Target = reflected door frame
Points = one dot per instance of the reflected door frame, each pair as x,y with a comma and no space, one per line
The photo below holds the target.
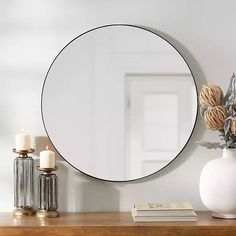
121,69
155,154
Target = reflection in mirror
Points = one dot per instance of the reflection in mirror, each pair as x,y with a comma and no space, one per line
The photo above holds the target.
119,103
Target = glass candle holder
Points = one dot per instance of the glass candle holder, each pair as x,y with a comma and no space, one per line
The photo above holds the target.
47,193
24,183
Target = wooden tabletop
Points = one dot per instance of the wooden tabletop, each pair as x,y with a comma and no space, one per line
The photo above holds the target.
111,224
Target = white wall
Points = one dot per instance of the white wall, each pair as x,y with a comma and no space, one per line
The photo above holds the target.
33,32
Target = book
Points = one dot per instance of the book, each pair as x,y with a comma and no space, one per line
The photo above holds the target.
163,218
164,213
172,211
164,206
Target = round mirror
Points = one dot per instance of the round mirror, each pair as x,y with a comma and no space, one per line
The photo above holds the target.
119,102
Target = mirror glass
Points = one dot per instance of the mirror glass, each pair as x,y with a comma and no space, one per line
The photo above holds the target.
119,102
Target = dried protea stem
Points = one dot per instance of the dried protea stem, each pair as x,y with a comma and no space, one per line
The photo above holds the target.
233,126
234,104
210,95
214,117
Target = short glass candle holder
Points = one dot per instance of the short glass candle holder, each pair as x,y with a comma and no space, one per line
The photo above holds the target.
23,183
47,193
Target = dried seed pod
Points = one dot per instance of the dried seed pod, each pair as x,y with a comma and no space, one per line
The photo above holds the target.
214,117
210,95
233,126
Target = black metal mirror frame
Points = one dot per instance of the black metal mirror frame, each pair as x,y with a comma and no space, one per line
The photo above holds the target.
135,26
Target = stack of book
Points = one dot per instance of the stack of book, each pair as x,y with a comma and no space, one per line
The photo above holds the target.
173,211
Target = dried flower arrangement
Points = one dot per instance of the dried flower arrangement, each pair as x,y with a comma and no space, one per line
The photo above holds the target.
218,113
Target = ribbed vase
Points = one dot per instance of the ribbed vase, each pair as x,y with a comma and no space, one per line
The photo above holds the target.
47,192
24,182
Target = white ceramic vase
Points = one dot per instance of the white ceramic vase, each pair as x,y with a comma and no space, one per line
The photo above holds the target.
218,185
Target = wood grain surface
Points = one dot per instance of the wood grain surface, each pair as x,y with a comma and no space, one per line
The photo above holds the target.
103,224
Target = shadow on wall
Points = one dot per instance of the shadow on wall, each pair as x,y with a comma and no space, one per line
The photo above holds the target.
63,179
195,68
95,196
40,143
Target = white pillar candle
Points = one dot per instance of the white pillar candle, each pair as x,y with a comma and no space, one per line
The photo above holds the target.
47,159
22,141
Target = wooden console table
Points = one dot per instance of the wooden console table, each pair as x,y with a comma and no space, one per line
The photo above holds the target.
101,224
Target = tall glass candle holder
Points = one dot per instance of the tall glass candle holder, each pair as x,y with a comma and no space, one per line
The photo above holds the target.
47,193
23,183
